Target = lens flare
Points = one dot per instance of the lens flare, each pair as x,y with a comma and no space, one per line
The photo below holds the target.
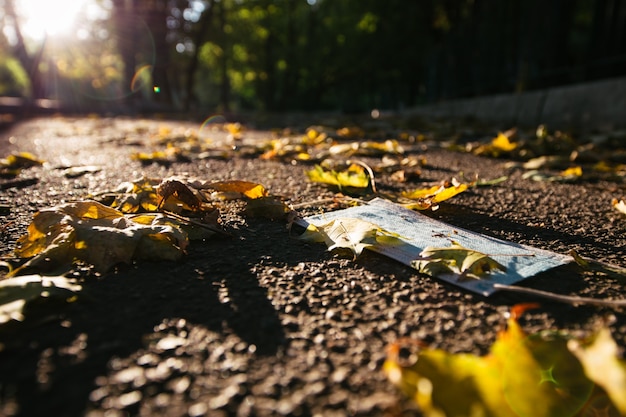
141,79
216,119
106,68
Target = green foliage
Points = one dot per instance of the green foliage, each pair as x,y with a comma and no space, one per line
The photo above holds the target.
14,81
352,55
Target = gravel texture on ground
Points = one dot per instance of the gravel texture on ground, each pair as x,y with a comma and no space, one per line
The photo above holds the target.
259,323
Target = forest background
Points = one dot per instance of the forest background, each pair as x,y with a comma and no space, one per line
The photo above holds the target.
222,56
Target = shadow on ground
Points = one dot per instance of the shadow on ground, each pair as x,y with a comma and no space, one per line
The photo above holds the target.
54,369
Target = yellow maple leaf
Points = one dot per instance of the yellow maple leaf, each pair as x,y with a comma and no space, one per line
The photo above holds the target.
248,189
430,197
503,143
523,375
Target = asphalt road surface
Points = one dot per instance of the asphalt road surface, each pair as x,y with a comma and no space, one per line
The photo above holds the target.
258,323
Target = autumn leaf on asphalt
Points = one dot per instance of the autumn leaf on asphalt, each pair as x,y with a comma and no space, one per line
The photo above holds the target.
99,235
349,233
17,293
12,165
501,144
352,132
354,177
20,160
283,148
367,148
167,156
619,205
616,272
239,189
78,171
234,129
547,162
523,375
314,136
426,198
567,175
601,361
489,183
137,196
390,146
466,263
148,195
172,189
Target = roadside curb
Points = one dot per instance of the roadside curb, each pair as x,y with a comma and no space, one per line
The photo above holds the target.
599,105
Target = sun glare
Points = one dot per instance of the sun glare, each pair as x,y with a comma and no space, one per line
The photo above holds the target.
48,18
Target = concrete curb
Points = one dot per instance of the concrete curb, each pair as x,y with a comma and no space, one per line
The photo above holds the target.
599,105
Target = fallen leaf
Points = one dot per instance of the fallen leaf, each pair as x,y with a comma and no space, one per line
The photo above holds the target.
571,173
503,143
466,263
75,172
354,177
137,196
11,166
172,188
602,363
616,272
619,205
20,160
431,197
488,183
499,145
523,375
567,175
352,132
247,189
348,233
167,156
547,162
97,234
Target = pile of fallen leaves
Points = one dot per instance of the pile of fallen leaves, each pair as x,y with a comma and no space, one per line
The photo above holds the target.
147,219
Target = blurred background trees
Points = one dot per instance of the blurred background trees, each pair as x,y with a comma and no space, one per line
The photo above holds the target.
277,55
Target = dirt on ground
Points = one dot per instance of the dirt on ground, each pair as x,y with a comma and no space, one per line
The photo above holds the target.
259,323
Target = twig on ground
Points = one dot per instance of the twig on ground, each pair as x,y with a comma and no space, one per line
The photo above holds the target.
569,299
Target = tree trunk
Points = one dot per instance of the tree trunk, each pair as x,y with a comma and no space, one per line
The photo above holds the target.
125,18
225,82
29,63
203,27
156,18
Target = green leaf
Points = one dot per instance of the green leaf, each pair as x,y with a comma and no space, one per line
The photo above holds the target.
616,272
